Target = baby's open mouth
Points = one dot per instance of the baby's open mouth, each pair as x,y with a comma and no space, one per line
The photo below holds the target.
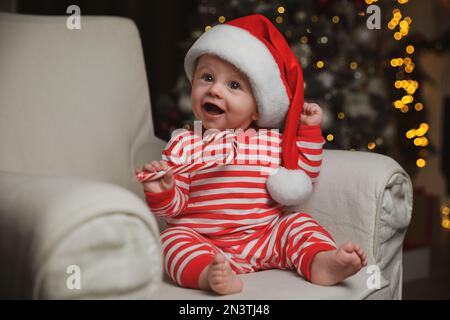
212,109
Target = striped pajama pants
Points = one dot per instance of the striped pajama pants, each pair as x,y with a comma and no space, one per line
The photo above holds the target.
291,244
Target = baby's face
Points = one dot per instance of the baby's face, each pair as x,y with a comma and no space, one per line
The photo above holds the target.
222,97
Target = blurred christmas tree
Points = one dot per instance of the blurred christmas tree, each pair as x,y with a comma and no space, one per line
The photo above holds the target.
348,71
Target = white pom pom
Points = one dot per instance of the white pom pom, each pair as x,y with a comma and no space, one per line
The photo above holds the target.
289,187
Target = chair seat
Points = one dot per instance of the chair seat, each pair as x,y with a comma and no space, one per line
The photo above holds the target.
282,285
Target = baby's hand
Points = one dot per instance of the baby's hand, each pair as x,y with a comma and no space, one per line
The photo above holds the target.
166,182
312,114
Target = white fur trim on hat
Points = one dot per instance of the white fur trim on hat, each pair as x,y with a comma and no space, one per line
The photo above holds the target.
251,56
289,187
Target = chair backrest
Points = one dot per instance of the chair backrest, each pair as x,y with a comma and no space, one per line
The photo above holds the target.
72,102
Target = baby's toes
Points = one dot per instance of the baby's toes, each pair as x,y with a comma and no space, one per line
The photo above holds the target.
218,279
359,250
362,255
218,269
349,247
364,260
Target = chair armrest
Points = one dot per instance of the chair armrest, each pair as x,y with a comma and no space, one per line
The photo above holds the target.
50,223
367,198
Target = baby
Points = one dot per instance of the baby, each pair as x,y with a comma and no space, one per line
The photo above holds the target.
223,221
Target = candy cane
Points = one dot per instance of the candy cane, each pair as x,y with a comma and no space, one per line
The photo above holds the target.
191,167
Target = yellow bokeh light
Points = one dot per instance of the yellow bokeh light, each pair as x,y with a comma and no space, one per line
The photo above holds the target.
398,104
330,137
222,19
405,84
445,210
418,106
335,19
424,126
417,142
391,25
404,24
304,39
353,65
410,49
410,68
320,64
371,145
445,223
421,163
279,20
280,10
419,132
398,84
424,142
411,134
422,130
410,90
407,99
207,28
397,15
341,115
398,36
404,109
394,63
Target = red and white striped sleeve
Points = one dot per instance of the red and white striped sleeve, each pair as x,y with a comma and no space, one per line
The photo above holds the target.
310,146
172,202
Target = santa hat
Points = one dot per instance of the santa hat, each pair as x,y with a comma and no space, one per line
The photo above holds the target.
256,47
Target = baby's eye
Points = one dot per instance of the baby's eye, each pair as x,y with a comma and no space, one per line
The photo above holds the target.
235,85
207,77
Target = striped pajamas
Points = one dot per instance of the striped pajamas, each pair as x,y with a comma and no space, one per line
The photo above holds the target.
228,209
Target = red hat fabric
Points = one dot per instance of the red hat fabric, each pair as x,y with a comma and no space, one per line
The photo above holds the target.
256,47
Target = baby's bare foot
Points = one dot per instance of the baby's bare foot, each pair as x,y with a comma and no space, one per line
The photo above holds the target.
331,267
221,278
